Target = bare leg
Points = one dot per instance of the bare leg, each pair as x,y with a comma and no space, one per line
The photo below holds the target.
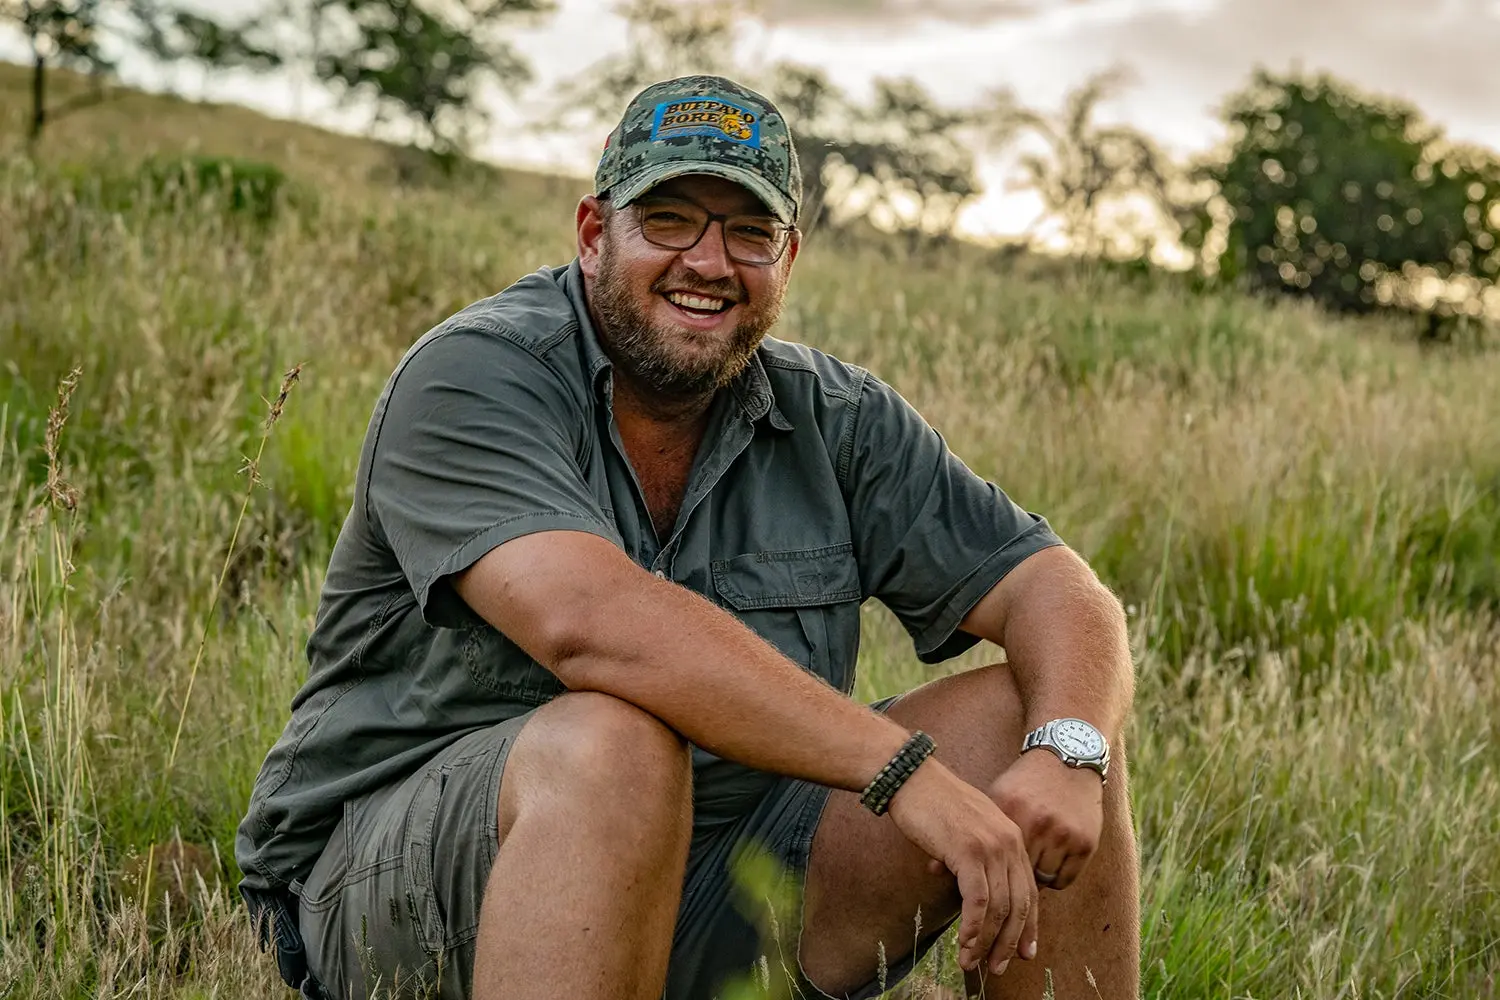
865,881
595,817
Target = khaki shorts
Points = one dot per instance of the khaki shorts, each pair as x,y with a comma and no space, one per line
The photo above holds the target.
393,902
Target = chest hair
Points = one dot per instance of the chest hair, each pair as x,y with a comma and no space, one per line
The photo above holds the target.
663,475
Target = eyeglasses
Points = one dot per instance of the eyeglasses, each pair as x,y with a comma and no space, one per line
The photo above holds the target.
675,224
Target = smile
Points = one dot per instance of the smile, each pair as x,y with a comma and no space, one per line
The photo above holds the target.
702,304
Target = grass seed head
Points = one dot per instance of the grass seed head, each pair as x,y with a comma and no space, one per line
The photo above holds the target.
61,492
287,381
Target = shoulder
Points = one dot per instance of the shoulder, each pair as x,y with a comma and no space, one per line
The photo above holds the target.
530,327
534,314
801,372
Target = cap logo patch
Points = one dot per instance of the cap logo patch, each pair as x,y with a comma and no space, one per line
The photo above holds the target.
711,116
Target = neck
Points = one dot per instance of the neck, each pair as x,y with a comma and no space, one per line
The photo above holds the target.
637,405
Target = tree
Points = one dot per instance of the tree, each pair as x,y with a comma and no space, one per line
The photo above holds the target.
1354,201
1084,166
86,35
665,39
900,159
171,34
63,33
425,62
905,159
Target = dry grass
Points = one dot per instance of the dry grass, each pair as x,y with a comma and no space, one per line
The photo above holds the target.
1303,515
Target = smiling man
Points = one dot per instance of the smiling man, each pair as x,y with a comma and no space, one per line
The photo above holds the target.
590,629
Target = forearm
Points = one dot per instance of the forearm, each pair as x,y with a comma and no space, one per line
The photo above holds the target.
1065,638
601,623
698,669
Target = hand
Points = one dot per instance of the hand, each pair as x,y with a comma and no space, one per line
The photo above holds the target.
1059,810
966,832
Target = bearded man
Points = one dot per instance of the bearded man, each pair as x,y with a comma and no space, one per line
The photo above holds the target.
590,629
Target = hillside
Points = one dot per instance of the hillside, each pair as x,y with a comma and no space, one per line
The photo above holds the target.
1301,514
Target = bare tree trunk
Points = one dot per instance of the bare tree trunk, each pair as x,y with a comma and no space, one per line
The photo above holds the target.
38,95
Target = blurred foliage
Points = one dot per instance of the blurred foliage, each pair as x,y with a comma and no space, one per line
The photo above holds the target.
1354,201
240,187
902,160
1084,168
423,62
60,33
234,188
82,35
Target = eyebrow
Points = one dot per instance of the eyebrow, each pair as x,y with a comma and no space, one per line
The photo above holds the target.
758,208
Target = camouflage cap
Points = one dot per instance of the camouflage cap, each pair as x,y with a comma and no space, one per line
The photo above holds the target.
702,125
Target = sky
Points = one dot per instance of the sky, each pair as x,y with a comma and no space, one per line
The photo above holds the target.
1184,56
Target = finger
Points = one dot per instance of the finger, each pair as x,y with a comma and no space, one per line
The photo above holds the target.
998,907
936,867
974,888
1070,871
1049,862
1020,894
1030,932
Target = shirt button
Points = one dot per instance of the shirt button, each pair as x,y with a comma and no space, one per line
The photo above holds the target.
661,575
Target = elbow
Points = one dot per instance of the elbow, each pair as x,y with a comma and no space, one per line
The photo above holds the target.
1106,621
566,641
585,633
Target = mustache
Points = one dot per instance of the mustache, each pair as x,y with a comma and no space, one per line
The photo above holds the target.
729,289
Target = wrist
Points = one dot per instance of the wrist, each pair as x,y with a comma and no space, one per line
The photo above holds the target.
1074,742
882,789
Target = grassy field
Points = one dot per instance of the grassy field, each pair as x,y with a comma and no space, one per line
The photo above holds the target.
1302,515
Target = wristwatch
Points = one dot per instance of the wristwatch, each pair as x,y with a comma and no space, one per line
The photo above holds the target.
1076,743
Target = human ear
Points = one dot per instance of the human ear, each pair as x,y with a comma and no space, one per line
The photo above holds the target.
793,245
590,225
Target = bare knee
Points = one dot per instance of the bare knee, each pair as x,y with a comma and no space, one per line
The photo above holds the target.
975,716
594,756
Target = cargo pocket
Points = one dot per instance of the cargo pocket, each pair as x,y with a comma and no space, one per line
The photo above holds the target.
331,870
451,837
500,669
805,602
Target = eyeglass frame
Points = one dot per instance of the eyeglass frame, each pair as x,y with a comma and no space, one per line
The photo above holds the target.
789,229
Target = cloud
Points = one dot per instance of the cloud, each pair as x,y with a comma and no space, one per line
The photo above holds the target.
790,12
1438,55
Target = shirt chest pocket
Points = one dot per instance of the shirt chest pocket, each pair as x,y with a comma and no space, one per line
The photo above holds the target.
805,602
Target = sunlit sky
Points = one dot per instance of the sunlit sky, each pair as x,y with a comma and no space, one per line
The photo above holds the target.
1185,55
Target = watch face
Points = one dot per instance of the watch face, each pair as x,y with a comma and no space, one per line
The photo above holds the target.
1078,739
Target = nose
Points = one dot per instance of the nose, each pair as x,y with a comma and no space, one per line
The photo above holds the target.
708,257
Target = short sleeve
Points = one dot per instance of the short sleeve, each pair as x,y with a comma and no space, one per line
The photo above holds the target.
478,444
931,537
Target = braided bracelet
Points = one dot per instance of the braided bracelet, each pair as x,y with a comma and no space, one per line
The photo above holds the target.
879,792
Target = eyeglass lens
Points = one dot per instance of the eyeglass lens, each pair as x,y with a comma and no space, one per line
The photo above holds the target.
749,239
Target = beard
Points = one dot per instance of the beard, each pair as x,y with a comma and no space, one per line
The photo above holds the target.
651,352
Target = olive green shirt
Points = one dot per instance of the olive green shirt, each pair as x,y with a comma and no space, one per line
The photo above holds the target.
816,487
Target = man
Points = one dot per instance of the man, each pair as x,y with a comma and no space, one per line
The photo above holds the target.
590,627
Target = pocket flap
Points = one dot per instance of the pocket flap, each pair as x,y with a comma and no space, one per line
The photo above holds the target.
788,578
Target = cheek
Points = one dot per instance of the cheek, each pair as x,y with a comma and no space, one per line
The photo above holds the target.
640,272
766,286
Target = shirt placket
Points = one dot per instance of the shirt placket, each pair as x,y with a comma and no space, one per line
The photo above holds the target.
729,437
725,448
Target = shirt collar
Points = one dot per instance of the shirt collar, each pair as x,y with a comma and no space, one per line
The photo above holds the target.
751,388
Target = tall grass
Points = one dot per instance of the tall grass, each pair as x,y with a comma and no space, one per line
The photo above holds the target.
1300,513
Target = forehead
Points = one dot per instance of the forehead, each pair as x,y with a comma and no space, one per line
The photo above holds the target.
714,193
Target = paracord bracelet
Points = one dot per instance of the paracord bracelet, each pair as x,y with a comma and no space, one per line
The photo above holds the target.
879,792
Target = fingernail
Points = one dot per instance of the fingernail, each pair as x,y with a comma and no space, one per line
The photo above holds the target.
999,967
1030,949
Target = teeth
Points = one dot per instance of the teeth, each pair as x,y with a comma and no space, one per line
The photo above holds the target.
695,302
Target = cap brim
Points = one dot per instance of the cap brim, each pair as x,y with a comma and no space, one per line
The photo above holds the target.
780,205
